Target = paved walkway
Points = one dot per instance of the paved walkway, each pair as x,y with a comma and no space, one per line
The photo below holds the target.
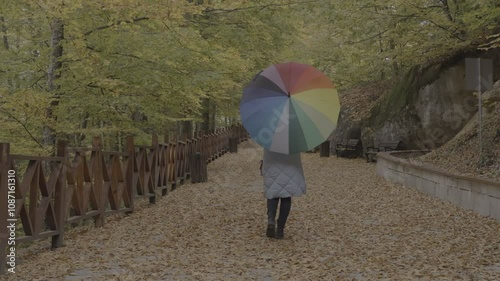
351,225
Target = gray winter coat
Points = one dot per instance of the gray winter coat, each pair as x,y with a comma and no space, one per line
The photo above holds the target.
283,175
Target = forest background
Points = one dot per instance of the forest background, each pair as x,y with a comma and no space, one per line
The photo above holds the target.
71,70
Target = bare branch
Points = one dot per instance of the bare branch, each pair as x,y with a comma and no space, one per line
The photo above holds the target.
115,24
38,80
259,7
22,124
452,33
446,9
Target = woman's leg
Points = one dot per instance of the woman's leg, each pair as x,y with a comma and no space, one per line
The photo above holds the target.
285,206
272,207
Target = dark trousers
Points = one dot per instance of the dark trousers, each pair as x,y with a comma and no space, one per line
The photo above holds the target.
272,207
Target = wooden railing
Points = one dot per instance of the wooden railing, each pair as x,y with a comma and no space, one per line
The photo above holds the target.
89,183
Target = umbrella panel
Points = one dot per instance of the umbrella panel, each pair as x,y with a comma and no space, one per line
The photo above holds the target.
261,123
313,135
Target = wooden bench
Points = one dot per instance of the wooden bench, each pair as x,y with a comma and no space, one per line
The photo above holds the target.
383,146
348,149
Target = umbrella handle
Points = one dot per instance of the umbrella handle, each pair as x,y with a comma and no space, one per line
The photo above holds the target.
255,77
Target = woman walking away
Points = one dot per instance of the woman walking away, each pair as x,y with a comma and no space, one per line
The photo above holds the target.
283,178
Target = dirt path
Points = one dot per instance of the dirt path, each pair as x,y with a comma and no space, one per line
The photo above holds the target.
351,225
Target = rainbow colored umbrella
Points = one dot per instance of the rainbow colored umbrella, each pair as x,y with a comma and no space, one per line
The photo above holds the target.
290,108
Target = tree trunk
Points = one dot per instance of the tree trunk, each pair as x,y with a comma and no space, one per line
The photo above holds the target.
6,45
80,137
395,66
205,124
324,149
212,116
197,128
187,129
4,31
57,35
446,9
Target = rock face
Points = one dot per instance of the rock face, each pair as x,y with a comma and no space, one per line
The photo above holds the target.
435,113
425,109
445,106
464,154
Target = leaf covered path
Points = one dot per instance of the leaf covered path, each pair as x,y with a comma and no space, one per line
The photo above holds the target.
351,225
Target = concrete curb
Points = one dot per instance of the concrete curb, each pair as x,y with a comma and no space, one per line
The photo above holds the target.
477,194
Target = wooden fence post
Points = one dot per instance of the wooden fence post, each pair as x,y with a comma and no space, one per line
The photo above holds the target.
97,175
60,195
129,173
154,169
170,164
189,152
4,234
167,164
179,162
205,155
173,162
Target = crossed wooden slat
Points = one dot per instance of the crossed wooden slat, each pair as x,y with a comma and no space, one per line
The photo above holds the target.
145,185
117,194
34,199
162,171
80,188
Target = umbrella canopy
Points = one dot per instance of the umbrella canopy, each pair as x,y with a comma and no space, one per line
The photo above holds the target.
290,108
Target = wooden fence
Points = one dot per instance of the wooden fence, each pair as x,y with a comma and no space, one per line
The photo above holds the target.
90,183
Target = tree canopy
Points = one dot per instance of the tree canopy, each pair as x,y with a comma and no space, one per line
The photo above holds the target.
75,69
